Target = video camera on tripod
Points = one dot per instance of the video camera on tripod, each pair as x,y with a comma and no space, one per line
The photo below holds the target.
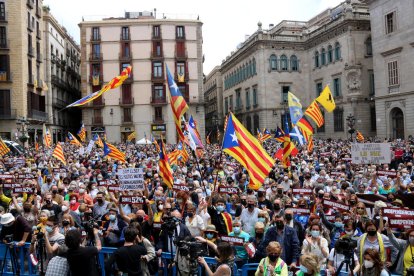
89,225
170,224
346,246
191,248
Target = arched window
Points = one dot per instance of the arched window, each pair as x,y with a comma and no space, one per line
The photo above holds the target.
254,67
368,46
337,51
273,62
316,59
330,56
294,65
323,57
283,63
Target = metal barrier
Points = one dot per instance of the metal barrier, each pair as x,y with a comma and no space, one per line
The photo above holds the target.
21,261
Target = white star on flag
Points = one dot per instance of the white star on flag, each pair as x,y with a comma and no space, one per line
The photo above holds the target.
234,137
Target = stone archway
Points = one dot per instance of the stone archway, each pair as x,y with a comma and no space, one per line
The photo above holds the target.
397,123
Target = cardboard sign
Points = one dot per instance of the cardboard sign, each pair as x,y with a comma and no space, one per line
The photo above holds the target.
179,187
331,218
131,179
227,190
113,188
157,225
59,170
371,153
335,205
233,240
6,176
25,176
398,213
11,185
406,223
347,159
302,191
26,190
132,200
107,182
336,173
300,211
392,174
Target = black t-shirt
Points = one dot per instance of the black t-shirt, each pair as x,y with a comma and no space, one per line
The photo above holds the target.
128,259
82,261
54,209
19,227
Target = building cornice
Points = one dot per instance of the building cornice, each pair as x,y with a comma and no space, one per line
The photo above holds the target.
392,51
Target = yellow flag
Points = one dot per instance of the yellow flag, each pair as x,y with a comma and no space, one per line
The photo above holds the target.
326,99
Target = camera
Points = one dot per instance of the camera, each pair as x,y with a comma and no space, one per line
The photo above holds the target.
89,225
8,238
169,224
191,248
345,246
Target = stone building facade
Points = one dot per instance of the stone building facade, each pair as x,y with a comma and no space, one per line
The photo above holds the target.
141,104
213,91
333,48
392,28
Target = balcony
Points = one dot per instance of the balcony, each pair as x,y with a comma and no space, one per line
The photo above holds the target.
6,114
30,52
5,44
157,119
181,80
96,37
58,103
5,76
157,78
125,37
127,119
30,3
38,34
39,12
125,57
37,115
39,57
58,81
96,80
157,55
31,79
130,79
97,120
238,108
158,100
99,102
126,102
181,54
3,17
95,56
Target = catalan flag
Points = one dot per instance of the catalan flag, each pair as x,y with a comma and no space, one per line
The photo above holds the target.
58,153
155,143
114,83
192,123
4,149
82,133
265,136
306,127
360,138
98,140
313,111
326,99
241,145
164,167
295,108
208,139
113,152
36,142
72,139
131,136
178,103
47,138
310,144
259,135
279,135
183,152
173,156
289,148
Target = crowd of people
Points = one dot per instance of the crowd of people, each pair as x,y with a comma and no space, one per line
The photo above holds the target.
321,215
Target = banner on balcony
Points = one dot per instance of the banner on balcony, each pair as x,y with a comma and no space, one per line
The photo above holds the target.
95,80
114,83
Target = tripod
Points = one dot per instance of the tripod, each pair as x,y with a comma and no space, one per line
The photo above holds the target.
348,262
13,259
41,250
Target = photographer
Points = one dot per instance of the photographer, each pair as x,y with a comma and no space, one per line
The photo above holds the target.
224,262
17,227
82,260
336,258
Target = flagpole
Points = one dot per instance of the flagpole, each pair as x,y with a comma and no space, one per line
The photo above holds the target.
198,167
221,154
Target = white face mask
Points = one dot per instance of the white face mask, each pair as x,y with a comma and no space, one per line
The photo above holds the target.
64,208
368,264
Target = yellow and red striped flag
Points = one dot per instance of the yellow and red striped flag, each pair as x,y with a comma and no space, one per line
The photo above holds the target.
164,167
244,147
306,127
208,139
310,144
4,149
82,133
72,139
98,140
131,136
178,104
113,152
47,138
173,156
360,138
58,153
314,112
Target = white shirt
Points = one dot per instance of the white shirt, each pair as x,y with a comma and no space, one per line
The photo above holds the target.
338,258
196,226
248,219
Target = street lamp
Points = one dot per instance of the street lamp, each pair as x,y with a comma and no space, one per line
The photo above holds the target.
351,124
22,128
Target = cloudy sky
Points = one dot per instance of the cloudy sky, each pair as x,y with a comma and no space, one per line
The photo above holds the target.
225,22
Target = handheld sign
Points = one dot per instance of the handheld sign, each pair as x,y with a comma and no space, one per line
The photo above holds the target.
178,187
392,174
11,185
331,204
26,190
371,153
107,182
233,240
302,191
132,200
113,188
227,190
300,211
131,179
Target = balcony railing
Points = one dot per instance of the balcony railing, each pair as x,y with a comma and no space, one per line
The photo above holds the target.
5,76
126,102
37,115
97,120
8,113
157,77
39,12
99,102
30,51
95,56
3,17
96,80
158,100
125,56
157,119
127,119
238,108
5,44
96,37
58,81
30,3
59,103
181,54
39,57
125,36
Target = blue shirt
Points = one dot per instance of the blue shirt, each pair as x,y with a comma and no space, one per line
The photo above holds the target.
241,252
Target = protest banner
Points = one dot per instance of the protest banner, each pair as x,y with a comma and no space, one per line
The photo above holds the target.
336,173
233,240
371,153
25,176
11,185
300,211
227,190
106,182
181,187
6,176
27,190
392,174
302,191
331,218
131,179
132,200
331,204
90,146
398,213
401,222
113,188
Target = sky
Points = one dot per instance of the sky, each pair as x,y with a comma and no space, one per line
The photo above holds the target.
225,22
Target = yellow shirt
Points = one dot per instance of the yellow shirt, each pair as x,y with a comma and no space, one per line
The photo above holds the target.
408,258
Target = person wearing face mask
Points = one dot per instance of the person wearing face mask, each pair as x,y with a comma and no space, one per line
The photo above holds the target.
372,265
334,262
380,242
336,228
272,265
219,217
56,197
17,226
277,207
100,207
84,197
288,239
249,215
256,239
194,222
113,228
75,216
29,213
94,189
290,221
406,249
49,205
53,238
67,224
263,203
73,203
309,265
316,244
241,253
